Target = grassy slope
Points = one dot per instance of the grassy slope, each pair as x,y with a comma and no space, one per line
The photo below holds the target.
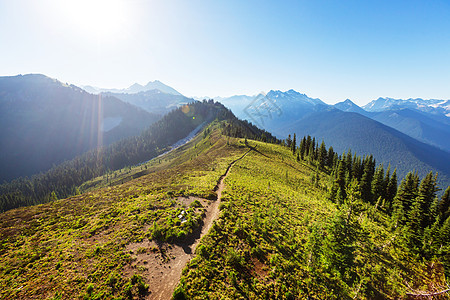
75,247
262,246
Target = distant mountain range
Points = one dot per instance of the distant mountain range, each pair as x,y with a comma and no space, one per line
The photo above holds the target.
153,101
45,122
438,107
410,134
135,88
154,97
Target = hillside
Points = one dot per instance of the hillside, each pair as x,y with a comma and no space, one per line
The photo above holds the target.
64,180
45,122
425,127
274,237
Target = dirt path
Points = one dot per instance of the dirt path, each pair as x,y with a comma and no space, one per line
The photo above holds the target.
162,264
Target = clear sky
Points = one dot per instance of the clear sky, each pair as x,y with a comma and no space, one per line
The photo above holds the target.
332,50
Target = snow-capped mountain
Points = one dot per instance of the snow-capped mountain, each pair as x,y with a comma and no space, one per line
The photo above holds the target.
273,110
434,106
292,97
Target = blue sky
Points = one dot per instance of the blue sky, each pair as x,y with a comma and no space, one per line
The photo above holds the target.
332,50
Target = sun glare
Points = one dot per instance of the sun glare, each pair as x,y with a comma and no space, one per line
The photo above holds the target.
101,19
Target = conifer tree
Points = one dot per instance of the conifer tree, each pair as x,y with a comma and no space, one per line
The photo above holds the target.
302,147
322,157
340,182
426,196
330,157
408,191
391,191
348,164
444,205
415,229
357,168
294,144
307,145
378,183
366,179
289,141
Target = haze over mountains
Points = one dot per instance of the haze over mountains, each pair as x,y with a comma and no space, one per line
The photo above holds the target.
154,97
45,122
134,88
410,134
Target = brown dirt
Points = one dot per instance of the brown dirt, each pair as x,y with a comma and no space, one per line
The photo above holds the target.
162,263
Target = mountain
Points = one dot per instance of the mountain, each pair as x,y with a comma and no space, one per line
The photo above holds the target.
73,176
420,125
349,106
236,103
275,109
135,88
153,101
348,130
433,106
347,125
45,122
228,217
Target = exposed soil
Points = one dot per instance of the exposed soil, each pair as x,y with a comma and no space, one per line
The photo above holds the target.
162,263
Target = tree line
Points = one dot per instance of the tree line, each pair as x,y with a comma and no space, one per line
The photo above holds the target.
420,217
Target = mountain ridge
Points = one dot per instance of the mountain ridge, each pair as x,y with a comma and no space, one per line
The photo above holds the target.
134,88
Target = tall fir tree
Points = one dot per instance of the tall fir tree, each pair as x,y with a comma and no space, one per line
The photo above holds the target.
426,196
322,157
444,205
378,183
366,179
307,145
408,191
302,148
294,144
289,141
391,191
330,156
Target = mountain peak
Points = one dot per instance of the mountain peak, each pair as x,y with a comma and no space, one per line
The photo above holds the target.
135,88
349,106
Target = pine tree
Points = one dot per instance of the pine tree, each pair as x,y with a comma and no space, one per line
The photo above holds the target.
302,147
330,156
415,229
357,167
294,144
348,164
444,205
322,157
366,179
426,196
311,150
307,145
289,141
391,191
378,183
408,191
